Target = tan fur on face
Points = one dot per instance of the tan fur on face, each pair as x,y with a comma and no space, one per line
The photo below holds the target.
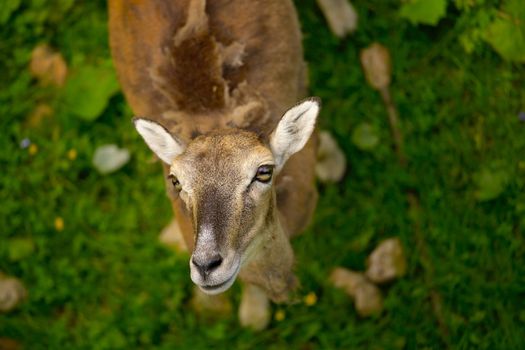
223,165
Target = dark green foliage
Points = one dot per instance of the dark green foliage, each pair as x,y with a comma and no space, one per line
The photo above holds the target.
499,23
104,281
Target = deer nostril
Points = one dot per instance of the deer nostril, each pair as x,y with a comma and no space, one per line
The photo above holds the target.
207,266
215,262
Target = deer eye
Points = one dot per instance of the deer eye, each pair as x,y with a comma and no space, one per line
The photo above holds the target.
264,173
175,182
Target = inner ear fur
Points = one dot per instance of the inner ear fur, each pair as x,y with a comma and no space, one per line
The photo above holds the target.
294,129
166,146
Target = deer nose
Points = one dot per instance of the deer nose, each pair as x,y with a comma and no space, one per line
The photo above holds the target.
205,265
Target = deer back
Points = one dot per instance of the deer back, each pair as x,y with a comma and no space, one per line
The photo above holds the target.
195,65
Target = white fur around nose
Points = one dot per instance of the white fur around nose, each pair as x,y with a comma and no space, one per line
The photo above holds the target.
294,130
205,242
223,275
158,139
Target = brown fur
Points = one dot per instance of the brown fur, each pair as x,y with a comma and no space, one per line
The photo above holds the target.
144,47
196,67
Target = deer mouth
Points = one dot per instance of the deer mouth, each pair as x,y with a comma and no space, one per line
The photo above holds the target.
222,286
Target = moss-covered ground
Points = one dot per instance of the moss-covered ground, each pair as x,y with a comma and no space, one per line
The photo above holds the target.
105,282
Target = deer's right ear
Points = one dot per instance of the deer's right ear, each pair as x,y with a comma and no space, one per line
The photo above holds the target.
294,130
159,140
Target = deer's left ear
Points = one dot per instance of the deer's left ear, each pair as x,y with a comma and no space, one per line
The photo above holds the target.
294,130
159,139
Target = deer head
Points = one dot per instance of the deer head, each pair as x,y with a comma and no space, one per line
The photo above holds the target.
225,178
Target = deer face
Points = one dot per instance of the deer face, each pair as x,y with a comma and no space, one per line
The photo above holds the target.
225,178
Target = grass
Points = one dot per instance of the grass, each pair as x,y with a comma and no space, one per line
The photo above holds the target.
104,281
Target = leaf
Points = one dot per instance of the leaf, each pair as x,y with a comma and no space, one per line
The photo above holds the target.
377,65
7,9
341,16
20,248
365,137
88,91
48,66
331,161
490,184
506,34
110,158
466,4
424,11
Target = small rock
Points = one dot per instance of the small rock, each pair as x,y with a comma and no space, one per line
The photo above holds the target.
386,262
12,293
341,16
377,66
172,237
210,305
254,311
331,161
367,297
110,158
48,66
346,279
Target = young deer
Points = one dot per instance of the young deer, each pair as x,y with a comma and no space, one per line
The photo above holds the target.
212,84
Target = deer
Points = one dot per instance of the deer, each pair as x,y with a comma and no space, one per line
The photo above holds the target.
218,88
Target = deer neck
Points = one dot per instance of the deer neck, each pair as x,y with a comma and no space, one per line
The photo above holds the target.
270,265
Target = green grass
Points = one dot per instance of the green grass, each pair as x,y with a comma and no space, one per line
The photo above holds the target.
105,282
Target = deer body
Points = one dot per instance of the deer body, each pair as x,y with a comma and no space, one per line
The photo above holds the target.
213,83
